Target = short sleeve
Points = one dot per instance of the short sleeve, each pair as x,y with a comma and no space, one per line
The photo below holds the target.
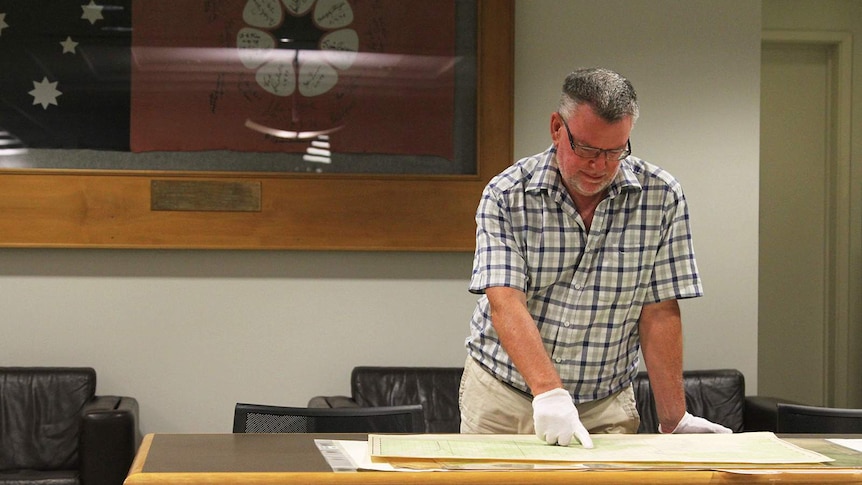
675,274
499,258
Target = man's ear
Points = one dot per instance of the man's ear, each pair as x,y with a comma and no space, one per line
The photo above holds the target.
557,130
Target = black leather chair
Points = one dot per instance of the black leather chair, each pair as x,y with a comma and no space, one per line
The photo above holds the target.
258,418
55,430
797,418
716,394
434,388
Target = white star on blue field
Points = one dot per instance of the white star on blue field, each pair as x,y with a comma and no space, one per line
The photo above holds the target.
66,72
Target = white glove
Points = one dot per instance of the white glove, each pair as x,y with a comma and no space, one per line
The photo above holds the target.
556,419
692,424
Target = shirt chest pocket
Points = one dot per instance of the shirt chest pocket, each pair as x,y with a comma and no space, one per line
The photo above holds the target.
619,273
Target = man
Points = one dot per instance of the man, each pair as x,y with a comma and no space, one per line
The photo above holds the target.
582,252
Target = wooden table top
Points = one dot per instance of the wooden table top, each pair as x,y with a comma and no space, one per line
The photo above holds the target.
189,459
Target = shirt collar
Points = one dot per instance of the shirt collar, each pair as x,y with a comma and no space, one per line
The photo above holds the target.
547,176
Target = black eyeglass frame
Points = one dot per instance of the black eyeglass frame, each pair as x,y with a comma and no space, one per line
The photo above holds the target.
596,152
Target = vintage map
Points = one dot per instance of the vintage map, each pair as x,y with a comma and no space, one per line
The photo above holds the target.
739,448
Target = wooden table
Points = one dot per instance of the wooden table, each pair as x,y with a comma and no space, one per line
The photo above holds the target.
189,459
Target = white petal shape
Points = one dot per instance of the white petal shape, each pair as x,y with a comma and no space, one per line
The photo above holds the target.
278,78
340,47
297,7
254,46
316,78
332,14
263,13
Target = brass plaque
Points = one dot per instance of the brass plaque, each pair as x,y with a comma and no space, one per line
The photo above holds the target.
197,195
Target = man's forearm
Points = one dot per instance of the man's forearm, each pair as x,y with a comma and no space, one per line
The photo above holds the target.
520,337
660,329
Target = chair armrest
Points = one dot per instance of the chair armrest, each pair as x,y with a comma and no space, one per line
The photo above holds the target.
761,413
332,402
109,439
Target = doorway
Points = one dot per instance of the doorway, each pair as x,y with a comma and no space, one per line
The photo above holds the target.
803,323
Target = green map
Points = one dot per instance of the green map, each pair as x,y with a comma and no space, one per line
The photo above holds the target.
737,448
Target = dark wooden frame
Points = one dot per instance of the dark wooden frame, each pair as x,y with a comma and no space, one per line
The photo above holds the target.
115,209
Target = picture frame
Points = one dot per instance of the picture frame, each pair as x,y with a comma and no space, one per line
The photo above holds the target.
163,209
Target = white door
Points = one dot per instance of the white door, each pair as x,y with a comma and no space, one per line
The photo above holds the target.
805,322
793,276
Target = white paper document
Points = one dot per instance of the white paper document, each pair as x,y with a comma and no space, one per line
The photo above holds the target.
429,452
853,444
349,455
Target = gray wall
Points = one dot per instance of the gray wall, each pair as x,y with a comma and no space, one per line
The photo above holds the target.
189,333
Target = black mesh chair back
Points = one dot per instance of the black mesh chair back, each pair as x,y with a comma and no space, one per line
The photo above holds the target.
257,418
796,418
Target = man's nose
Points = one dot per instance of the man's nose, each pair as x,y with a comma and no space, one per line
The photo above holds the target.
600,161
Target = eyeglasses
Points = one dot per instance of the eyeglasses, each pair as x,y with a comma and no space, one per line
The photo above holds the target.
588,152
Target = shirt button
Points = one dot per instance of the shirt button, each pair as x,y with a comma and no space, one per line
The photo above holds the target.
567,324
558,360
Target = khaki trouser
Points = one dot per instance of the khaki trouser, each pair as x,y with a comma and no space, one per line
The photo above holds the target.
490,406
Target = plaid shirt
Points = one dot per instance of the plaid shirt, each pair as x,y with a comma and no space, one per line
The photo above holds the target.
585,290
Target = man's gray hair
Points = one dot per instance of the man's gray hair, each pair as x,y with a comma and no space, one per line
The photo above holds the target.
611,95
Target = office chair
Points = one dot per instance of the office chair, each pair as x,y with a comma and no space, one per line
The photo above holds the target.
796,418
258,418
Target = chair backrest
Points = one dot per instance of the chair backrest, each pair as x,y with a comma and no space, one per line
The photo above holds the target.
435,388
796,418
715,394
40,415
258,418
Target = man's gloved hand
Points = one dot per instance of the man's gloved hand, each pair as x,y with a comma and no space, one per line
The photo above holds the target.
692,424
556,419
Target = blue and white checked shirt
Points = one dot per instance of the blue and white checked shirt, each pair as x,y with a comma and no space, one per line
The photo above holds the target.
585,290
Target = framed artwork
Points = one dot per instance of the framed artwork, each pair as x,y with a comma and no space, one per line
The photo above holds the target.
254,124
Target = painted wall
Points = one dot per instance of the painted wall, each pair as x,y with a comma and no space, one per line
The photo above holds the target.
190,333
696,68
